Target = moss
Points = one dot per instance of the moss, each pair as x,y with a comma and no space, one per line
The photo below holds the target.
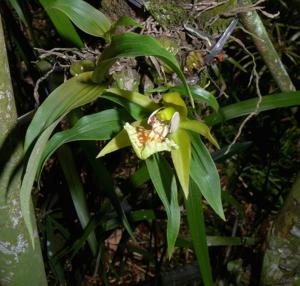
213,21
169,14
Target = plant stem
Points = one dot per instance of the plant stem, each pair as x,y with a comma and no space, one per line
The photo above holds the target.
255,26
20,264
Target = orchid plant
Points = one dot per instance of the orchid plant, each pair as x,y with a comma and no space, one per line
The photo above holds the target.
166,127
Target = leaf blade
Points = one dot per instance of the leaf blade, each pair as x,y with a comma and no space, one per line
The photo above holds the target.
29,176
62,24
195,217
205,175
98,126
69,95
200,94
163,180
135,45
67,163
269,102
83,15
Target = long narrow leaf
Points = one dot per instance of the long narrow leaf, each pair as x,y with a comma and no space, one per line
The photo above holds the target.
195,217
62,24
83,15
135,97
15,4
67,163
99,126
200,94
29,176
103,178
123,21
136,111
71,94
269,102
135,45
140,177
205,175
164,180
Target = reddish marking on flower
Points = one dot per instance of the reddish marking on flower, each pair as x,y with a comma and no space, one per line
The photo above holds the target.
142,135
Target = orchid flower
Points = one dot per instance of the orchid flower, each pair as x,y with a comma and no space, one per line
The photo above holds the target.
166,129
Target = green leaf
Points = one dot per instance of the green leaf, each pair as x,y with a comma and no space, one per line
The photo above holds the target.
181,158
62,24
67,163
135,45
138,98
136,111
199,127
98,126
71,94
102,177
140,177
269,102
164,181
205,175
123,21
199,94
83,15
29,176
195,217
15,4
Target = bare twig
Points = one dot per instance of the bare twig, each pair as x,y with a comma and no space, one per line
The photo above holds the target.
253,113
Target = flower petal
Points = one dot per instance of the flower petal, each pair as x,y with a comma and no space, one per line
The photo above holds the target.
143,147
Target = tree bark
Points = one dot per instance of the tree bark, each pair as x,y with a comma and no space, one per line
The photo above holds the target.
20,264
255,26
281,265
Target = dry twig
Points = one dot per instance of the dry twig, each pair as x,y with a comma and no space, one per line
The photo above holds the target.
259,100
37,85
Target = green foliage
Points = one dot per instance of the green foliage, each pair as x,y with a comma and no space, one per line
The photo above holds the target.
269,102
15,4
98,126
165,185
129,118
29,177
205,176
62,23
73,93
195,219
200,94
67,162
135,45
82,14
